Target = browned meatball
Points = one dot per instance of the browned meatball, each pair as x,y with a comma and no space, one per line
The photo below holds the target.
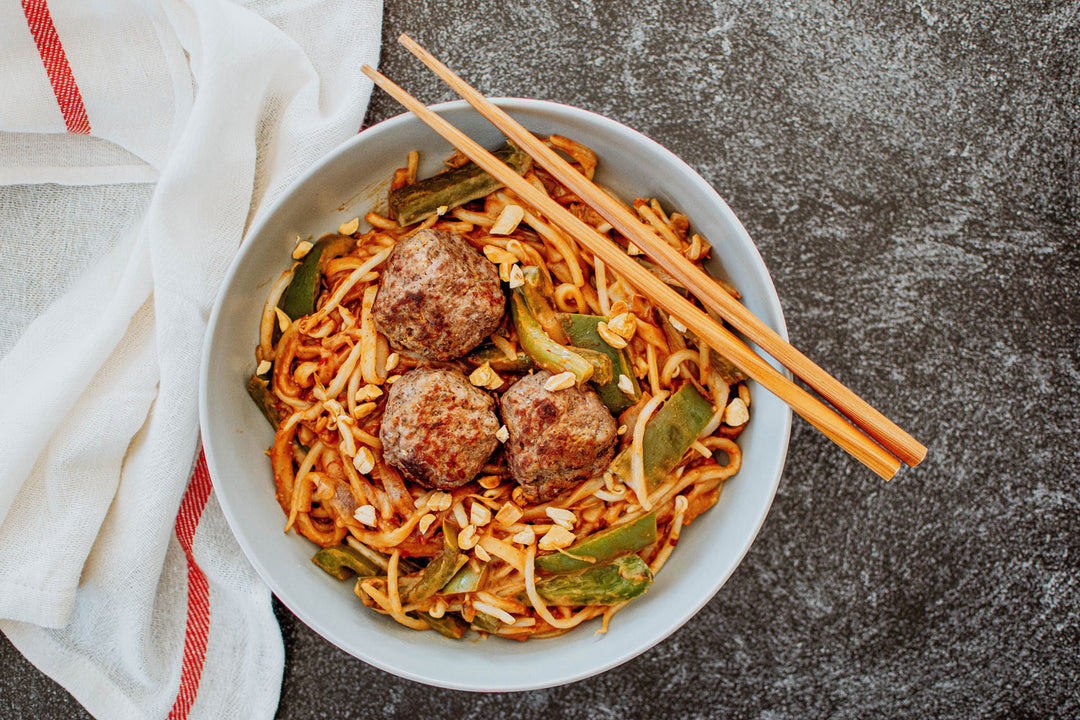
438,296
438,428
557,439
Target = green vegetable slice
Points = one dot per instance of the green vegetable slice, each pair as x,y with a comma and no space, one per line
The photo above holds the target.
489,353
439,571
485,622
449,625
299,298
452,188
465,580
582,332
621,579
341,561
602,546
549,354
538,291
259,390
669,434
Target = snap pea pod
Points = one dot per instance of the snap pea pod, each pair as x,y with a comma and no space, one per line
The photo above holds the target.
341,561
621,579
677,286
489,353
439,571
582,333
259,390
538,291
669,434
549,354
449,625
465,580
663,275
726,369
485,622
602,546
452,188
303,290
603,370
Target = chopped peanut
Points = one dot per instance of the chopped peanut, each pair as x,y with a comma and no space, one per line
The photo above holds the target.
624,325
508,220
364,461
736,413
508,514
479,514
562,381
366,515
497,255
425,523
524,537
562,517
440,501
302,248
610,336
485,377
467,538
556,538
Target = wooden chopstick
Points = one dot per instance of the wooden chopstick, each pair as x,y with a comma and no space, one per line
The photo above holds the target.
874,423
712,333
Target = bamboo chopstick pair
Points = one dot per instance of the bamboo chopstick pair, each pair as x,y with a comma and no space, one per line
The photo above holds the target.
875,425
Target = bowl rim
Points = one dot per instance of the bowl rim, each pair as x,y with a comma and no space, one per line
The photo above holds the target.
265,218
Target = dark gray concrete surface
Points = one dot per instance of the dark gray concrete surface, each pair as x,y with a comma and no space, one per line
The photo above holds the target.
910,173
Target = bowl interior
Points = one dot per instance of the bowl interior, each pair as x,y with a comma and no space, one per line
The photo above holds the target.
347,184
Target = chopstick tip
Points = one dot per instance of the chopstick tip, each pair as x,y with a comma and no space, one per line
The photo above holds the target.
918,455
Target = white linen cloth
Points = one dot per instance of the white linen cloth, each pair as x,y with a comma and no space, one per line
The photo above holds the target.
139,140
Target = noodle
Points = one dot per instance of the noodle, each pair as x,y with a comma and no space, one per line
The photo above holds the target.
674,360
637,458
328,379
538,603
266,327
600,276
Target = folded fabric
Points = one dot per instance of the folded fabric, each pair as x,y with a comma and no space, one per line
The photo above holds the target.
138,143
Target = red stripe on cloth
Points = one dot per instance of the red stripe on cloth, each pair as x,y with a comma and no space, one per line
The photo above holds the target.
198,615
56,64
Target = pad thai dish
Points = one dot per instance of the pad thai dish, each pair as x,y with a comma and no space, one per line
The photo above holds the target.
478,420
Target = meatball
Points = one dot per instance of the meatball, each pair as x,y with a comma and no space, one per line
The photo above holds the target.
557,439
438,429
438,296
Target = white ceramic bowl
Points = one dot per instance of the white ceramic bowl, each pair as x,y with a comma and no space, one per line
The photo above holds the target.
346,184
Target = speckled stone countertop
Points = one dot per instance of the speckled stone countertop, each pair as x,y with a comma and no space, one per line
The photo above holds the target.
910,172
